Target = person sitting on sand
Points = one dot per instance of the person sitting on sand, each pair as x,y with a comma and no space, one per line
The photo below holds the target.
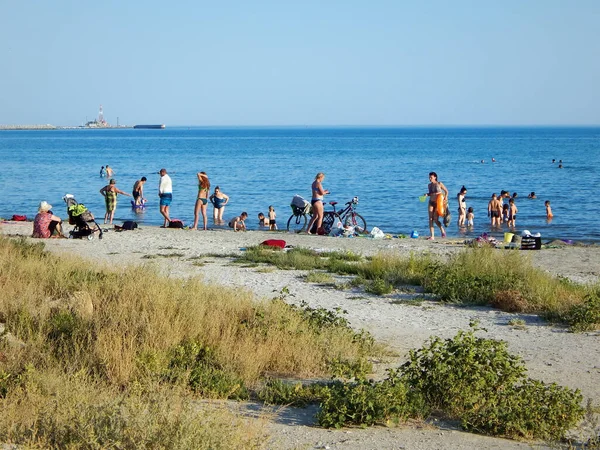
237,223
46,224
138,191
110,192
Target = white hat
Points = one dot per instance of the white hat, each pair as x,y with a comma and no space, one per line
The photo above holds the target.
44,206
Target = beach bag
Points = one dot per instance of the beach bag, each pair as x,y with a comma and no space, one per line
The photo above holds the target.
175,223
19,218
279,243
447,217
531,243
376,233
129,225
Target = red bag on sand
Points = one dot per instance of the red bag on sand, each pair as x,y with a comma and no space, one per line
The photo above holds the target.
274,243
19,218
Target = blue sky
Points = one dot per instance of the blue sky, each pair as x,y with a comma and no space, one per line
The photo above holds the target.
513,62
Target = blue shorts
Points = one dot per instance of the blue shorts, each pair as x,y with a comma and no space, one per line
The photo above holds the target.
165,199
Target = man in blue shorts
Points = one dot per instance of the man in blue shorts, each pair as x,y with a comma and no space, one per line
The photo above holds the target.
165,192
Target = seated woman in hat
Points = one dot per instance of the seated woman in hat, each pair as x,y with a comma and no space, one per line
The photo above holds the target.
46,224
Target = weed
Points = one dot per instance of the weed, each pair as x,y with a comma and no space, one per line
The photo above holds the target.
278,392
378,287
318,277
164,255
585,316
517,323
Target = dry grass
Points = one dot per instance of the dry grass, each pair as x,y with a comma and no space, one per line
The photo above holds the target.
99,341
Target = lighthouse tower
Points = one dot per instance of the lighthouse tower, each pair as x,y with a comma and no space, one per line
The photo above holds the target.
101,121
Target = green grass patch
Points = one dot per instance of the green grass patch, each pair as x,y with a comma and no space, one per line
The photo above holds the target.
318,277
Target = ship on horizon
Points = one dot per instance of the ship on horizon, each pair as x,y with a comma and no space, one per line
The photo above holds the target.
150,127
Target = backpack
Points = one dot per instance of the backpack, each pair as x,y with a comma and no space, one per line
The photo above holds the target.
129,225
175,223
19,218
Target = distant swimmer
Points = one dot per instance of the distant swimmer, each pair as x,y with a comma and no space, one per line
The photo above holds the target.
532,195
553,160
482,161
560,166
493,159
102,172
109,172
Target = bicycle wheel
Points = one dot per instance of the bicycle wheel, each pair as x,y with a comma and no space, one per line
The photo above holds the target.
296,223
359,223
329,218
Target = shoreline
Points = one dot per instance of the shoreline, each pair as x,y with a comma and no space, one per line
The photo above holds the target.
551,353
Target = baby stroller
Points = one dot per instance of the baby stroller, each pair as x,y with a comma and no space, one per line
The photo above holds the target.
83,220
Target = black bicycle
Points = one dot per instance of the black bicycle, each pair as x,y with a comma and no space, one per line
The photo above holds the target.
348,215
298,220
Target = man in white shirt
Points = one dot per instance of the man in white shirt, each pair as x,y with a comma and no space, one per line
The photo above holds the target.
165,192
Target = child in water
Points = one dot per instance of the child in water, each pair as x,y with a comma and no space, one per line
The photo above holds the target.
512,213
549,214
272,219
262,220
470,217
505,212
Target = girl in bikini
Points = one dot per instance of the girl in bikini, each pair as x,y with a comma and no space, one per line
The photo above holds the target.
317,202
435,188
202,200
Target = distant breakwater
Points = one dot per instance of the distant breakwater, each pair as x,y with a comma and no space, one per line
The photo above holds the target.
28,127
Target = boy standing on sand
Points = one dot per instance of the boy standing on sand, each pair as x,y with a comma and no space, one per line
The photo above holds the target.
165,192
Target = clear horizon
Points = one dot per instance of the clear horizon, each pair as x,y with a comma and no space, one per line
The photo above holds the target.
347,64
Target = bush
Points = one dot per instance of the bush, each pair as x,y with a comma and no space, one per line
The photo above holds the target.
532,410
278,392
586,316
477,381
378,287
365,402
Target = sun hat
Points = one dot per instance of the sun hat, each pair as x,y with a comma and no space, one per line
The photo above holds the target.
44,206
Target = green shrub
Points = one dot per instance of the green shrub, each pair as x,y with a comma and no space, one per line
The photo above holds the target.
585,316
378,287
477,381
318,277
457,374
278,392
365,402
198,367
532,410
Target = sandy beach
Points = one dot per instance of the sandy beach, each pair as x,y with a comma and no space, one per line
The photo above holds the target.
551,353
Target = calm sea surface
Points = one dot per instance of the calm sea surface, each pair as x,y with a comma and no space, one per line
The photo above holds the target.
387,168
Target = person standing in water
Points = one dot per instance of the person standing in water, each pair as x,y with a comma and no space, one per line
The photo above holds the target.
462,206
219,200
109,172
435,189
138,191
110,192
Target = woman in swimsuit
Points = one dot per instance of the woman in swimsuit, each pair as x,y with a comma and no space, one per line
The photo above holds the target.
435,188
110,192
317,202
219,200
202,200
462,206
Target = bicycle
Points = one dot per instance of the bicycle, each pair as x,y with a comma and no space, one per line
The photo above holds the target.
347,215
298,220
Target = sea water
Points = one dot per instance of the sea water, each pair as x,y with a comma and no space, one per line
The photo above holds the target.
387,168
